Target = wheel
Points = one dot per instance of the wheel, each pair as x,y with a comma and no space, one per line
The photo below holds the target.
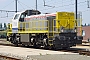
16,45
7,38
65,48
23,45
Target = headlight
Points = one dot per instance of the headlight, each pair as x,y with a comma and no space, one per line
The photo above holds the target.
75,30
62,30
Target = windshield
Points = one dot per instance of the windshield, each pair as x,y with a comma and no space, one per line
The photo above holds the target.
16,16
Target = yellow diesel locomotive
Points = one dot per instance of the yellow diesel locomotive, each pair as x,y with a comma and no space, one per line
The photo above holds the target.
50,30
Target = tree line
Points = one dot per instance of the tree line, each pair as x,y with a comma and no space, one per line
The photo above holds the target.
3,27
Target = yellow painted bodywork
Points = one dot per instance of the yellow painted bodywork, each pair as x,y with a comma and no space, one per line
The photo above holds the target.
65,19
32,27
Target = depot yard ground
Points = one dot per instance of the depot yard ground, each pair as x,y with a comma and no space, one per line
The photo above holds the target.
40,54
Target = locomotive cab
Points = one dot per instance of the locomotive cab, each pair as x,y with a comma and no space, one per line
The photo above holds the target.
20,16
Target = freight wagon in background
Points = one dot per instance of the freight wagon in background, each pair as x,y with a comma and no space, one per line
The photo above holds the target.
53,30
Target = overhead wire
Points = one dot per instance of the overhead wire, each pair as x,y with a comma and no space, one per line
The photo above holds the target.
72,6
29,6
39,5
8,4
6,16
24,4
21,4
48,8
54,2
63,6
57,3
43,3
48,1
6,11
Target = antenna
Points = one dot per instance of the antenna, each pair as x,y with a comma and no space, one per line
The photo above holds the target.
47,5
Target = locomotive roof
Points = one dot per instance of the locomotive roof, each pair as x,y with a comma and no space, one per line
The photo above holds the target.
41,15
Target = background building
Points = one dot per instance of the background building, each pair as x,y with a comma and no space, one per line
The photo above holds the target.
86,32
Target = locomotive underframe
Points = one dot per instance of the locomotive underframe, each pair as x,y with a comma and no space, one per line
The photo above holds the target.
63,40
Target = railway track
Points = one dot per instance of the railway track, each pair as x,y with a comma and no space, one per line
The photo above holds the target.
82,52
76,50
72,50
7,58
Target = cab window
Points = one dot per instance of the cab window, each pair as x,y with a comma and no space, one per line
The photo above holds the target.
16,16
22,17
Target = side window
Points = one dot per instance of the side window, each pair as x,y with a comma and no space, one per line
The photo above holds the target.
22,16
16,16
83,33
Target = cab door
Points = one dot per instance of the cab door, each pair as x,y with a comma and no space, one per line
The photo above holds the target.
15,23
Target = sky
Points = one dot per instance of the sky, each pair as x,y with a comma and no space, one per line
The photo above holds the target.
56,5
